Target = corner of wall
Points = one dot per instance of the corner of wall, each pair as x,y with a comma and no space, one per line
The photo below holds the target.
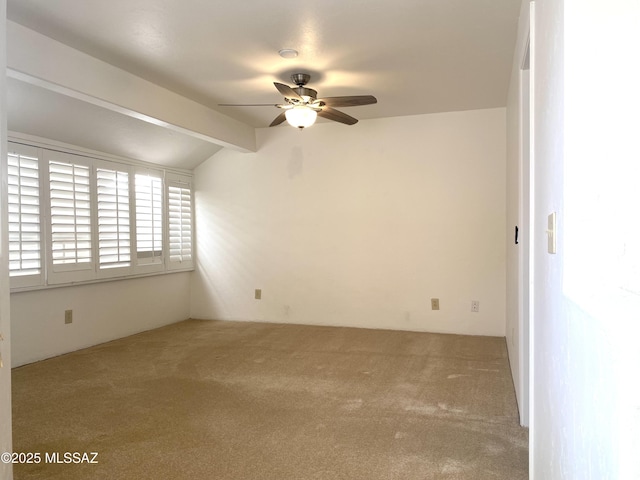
6,471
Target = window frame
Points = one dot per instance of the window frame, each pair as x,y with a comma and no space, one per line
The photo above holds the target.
35,279
184,182
119,271
153,266
61,273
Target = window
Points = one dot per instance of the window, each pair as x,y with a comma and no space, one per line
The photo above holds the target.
149,218
114,230
180,217
71,249
103,219
70,213
25,256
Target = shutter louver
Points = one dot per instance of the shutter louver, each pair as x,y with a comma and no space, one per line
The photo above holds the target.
180,229
148,219
114,233
24,215
70,213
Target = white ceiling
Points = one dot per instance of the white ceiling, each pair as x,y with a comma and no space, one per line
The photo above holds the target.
37,111
415,56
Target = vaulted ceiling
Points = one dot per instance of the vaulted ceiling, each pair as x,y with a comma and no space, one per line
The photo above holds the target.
415,56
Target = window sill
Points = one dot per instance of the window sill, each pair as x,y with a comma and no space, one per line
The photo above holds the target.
100,280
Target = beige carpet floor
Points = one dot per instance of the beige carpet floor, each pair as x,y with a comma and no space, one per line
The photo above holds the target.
227,400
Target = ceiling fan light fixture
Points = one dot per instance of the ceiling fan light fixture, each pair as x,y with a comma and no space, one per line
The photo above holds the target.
301,116
302,106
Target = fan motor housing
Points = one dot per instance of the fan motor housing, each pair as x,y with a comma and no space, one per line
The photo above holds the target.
300,79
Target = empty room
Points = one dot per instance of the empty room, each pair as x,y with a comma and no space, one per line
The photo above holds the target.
325,240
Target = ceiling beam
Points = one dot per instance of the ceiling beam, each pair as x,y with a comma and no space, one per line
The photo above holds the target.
39,60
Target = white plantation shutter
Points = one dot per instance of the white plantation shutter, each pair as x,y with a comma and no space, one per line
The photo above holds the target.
73,218
70,213
148,195
180,217
25,251
114,230
70,201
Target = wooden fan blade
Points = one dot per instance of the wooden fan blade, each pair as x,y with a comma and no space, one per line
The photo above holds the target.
337,116
349,100
279,119
287,91
247,105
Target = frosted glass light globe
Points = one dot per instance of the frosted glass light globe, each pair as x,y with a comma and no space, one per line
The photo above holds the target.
301,116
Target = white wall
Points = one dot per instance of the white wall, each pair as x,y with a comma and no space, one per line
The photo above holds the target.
358,226
101,312
5,345
586,394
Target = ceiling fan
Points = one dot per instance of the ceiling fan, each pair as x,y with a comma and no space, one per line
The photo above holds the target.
301,104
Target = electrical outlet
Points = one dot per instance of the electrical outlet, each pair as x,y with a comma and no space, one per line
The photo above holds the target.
475,306
68,316
258,294
435,304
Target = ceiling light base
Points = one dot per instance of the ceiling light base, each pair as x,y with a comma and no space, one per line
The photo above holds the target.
300,79
288,53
